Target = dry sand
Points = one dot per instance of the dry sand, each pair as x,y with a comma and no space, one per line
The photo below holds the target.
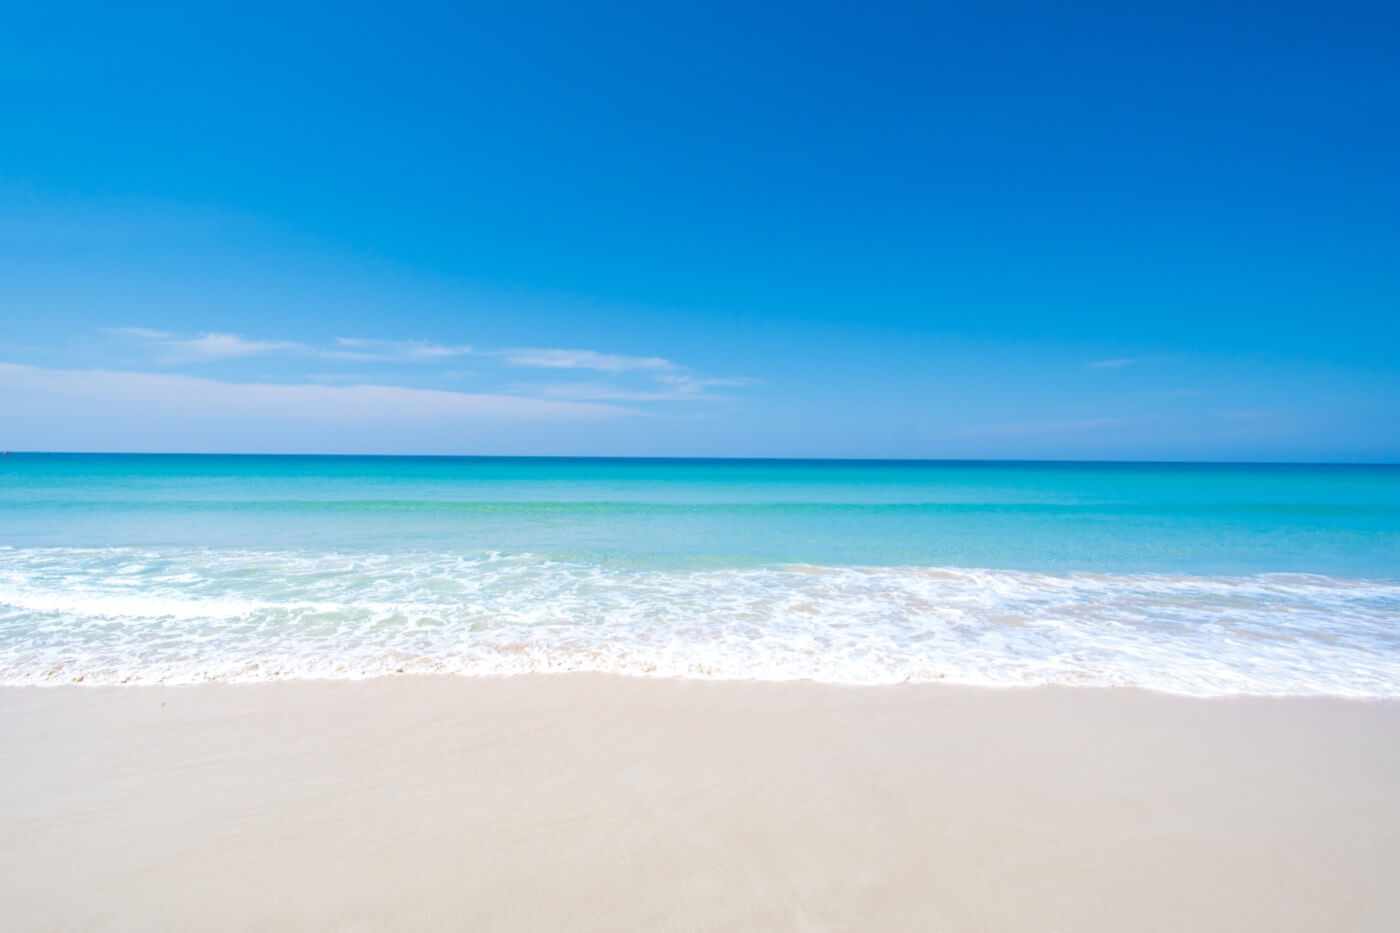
591,802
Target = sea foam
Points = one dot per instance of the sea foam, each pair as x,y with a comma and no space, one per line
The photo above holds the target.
151,615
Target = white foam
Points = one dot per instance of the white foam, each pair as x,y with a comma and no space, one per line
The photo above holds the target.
181,616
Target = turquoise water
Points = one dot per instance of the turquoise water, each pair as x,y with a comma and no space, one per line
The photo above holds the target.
1191,578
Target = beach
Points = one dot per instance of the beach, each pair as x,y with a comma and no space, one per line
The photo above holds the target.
363,693
725,467
600,802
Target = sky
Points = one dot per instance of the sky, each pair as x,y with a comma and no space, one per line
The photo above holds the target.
808,230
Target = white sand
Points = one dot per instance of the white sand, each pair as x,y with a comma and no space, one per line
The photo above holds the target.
589,802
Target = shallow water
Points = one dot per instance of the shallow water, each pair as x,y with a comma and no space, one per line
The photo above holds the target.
1187,578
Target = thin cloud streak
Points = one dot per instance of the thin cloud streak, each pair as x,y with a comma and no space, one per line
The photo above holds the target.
673,387
143,333
222,346
217,346
208,346
545,358
34,390
664,380
368,350
685,382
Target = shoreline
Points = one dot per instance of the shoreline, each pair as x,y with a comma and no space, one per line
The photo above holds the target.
190,615
599,801
416,676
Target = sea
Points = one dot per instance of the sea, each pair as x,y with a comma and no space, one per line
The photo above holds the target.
1197,579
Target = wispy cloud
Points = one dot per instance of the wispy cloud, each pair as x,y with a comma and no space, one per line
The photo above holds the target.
224,346
140,394
208,346
707,382
1120,362
688,385
662,380
363,349
228,346
655,378
143,333
666,387
544,358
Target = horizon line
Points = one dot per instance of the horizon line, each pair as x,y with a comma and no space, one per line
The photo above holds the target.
710,458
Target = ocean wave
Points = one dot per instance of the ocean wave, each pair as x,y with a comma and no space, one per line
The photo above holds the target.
134,615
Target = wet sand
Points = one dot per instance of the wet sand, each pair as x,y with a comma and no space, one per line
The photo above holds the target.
595,802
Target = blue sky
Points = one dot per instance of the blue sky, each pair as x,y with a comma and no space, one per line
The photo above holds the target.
808,230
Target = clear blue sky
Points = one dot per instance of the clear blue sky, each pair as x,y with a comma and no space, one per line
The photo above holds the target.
992,230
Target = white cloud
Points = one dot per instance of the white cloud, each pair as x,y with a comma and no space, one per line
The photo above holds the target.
667,381
32,391
696,385
227,346
596,391
662,379
544,358
209,346
671,387
215,346
358,348
143,333
224,346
